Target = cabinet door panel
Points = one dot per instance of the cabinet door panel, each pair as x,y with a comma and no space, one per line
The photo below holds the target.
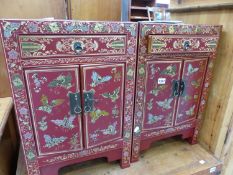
104,122
160,102
56,130
193,77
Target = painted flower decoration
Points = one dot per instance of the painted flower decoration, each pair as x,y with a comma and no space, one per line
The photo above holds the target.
13,54
130,50
9,28
139,113
130,72
140,93
99,27
143,49
32,27
28,135
54,27
23,111
129,97
115,27
141,70
30,155
171,29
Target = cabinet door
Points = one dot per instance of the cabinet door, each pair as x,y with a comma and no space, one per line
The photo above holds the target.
56,128
160,101
103,103
193,77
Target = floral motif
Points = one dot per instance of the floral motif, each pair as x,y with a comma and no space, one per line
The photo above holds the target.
32,27
77,27
9,27
23,111
130,73
116,74
74,142
38,82
12,54
141,70
98,27
196,83
53,27
115,111
17,82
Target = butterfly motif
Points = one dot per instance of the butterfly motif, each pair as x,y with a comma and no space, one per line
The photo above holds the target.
155,91
166,104
61,81
111,130
113,96
67,122
190,112
97,79
154,118
51,142
95,115
170,70
196,83
191,70
46,107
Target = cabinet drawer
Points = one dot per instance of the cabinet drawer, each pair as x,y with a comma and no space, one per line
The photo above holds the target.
35,46
171,43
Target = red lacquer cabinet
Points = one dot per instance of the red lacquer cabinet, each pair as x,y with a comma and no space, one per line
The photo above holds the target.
73,89
175,64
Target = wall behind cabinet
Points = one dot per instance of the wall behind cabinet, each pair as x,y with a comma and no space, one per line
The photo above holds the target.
105,10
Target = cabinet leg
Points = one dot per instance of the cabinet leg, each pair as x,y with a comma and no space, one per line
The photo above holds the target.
49,170
124,164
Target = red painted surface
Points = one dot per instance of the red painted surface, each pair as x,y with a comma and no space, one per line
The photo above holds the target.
104,124
54,120
159,82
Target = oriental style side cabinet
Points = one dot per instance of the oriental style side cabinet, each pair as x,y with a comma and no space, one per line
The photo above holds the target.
174,68
73,89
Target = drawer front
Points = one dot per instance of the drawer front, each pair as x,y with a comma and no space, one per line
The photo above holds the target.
171,43
35,46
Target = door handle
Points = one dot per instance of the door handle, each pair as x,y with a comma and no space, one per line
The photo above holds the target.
182,87
75,103
88,100
175,88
